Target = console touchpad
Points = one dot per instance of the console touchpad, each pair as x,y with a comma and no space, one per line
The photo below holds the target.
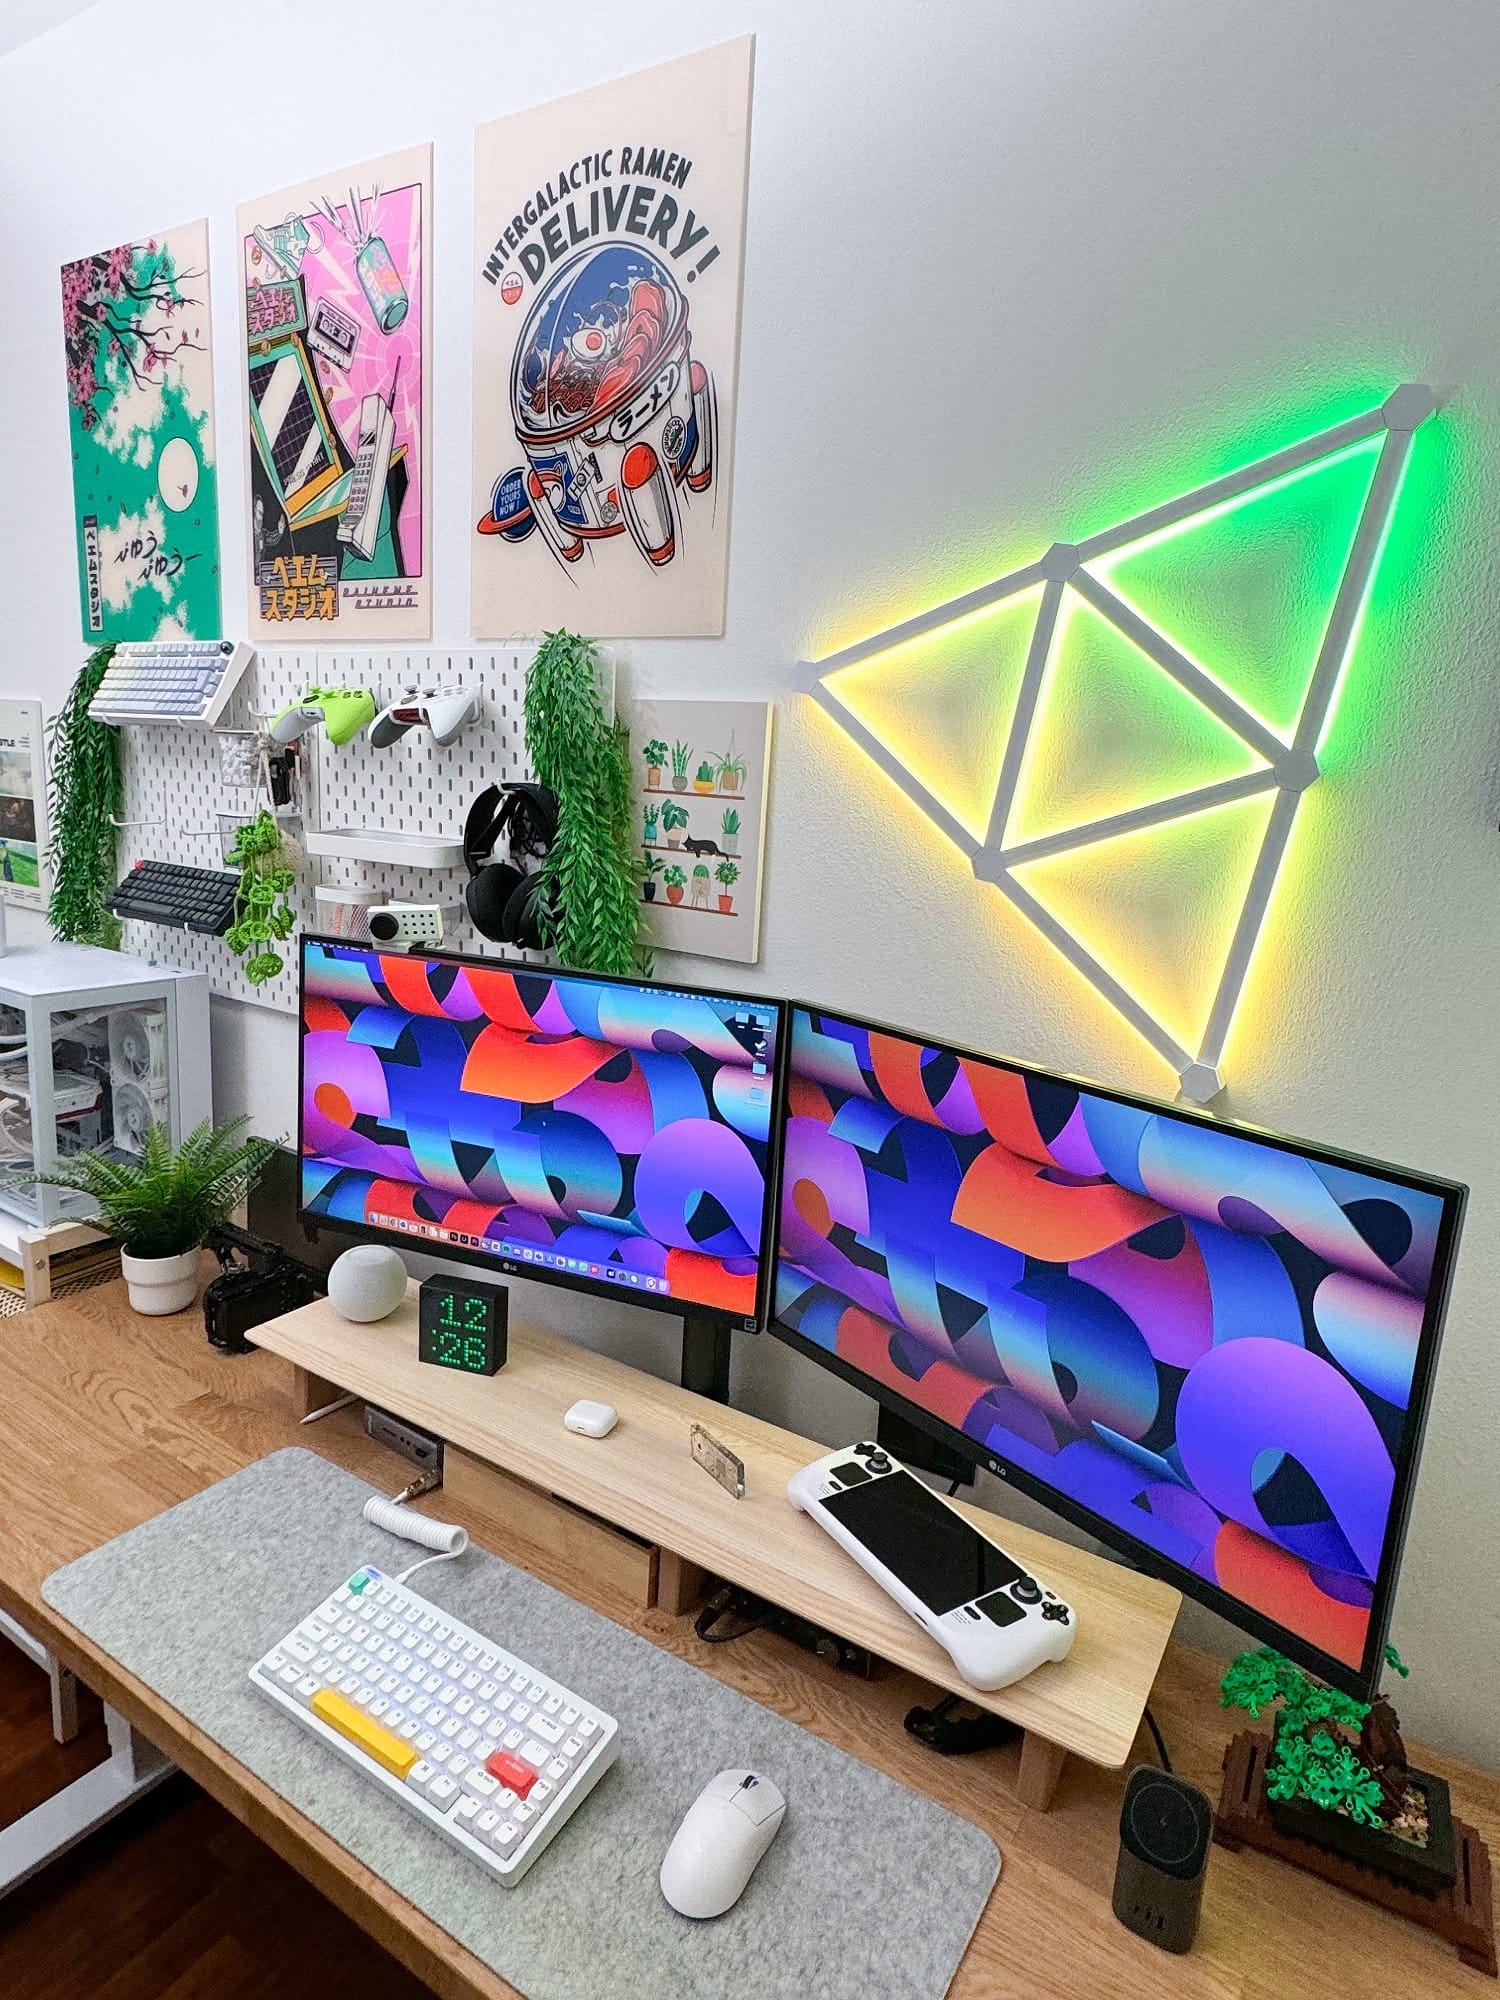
1000,1609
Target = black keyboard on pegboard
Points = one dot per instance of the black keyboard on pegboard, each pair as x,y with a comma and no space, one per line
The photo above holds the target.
183,898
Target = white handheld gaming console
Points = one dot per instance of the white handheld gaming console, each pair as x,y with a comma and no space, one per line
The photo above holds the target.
994,1620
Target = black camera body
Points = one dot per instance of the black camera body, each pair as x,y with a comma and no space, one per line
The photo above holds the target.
267,1283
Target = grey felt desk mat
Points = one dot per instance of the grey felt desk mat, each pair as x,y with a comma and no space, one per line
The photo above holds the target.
869,1888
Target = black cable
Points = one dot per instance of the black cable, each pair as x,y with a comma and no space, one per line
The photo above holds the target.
954,1488
723,1606
1161,1748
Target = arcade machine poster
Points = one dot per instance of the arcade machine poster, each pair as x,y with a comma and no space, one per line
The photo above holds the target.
609,241
141,426
337,303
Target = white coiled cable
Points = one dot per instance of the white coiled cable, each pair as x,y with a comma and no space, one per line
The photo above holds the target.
398,1519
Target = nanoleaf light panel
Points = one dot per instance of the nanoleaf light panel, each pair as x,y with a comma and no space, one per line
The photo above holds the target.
1122,730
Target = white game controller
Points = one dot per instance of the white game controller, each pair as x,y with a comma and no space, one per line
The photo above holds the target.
916,1546
446,712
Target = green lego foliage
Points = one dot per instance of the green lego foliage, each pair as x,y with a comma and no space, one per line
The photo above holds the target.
1312,1757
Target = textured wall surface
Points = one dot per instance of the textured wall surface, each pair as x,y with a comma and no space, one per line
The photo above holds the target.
1011,271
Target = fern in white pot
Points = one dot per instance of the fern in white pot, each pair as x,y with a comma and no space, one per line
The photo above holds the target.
162,1207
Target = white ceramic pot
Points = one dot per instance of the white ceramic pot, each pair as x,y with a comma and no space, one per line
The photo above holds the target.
161,1284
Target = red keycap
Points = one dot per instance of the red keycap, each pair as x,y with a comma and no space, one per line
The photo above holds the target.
511,1771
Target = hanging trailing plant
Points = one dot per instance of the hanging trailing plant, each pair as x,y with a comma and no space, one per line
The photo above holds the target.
263,917
595,867
84,781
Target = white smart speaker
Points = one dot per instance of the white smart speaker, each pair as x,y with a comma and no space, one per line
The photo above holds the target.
367,1282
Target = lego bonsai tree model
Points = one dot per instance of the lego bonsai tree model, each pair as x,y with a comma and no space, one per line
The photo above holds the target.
1342,1757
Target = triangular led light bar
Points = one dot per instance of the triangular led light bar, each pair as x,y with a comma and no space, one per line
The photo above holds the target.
1282,754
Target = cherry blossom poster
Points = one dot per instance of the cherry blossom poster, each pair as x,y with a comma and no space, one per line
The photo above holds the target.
609,240
337,302
141,422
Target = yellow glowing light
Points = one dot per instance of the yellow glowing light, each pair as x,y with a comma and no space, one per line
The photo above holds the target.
1133,802
942,704
1158,907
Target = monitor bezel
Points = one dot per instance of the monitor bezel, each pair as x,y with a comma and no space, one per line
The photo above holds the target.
515,1267
1361,1682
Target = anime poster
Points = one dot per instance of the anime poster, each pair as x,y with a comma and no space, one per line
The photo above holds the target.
338,278
23,804
141,420
609,244
702,770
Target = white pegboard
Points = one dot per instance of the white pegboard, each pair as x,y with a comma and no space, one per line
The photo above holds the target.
174,794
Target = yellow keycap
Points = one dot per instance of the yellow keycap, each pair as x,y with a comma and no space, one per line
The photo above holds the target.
387,1750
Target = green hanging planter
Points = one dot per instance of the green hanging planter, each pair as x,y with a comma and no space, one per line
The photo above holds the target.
85,792
595,867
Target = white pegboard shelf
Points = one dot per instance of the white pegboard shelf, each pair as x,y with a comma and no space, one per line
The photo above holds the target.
411,791
399,850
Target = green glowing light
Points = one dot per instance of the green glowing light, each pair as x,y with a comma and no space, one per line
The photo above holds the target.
1117,735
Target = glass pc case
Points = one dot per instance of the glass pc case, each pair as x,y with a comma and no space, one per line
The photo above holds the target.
95,1049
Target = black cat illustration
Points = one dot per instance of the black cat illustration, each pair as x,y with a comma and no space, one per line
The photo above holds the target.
702,847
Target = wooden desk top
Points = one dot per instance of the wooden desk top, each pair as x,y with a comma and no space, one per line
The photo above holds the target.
642,1477
109,1418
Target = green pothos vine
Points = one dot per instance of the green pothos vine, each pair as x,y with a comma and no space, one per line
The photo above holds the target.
85,802
263,918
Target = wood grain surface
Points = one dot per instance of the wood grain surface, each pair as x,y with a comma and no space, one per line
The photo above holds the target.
109,1418
642,1476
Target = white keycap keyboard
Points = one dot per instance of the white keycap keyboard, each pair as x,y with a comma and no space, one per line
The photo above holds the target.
185,681
494,1754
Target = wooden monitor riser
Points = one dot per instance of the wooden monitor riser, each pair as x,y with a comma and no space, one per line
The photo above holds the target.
642,1479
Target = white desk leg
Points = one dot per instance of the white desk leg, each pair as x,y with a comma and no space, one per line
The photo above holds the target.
59,1678
132,1767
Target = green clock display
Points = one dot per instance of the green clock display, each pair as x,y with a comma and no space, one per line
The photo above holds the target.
461,1324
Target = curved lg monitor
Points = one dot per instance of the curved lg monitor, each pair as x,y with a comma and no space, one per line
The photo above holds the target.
610,1135
1208,1347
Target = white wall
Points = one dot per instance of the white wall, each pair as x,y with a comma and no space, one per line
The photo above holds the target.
1008,266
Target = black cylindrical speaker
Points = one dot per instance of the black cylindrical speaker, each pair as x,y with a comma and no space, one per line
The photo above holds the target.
1166,1826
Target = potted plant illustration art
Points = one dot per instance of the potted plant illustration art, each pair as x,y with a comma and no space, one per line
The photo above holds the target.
699,898
729,830
655,754
1336,1773
682,756
704,779
731,770
674,821
726,875
676,882
649,825
648,880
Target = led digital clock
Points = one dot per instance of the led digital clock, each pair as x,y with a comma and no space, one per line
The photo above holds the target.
461,1323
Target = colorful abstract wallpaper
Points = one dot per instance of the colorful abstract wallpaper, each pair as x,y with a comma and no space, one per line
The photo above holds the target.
1206,1341
610,1134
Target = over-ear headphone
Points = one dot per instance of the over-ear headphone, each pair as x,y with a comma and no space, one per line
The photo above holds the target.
505,902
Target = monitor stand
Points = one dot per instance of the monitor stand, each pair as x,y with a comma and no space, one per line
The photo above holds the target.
922,1453
705,1356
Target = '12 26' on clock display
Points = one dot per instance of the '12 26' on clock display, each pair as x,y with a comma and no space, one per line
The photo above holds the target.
462,1324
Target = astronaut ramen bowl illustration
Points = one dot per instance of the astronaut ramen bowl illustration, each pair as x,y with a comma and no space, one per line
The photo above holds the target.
614,415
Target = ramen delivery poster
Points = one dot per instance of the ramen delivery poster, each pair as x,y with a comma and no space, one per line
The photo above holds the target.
609,239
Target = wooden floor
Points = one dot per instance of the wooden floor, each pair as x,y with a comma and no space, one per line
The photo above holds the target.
174,1901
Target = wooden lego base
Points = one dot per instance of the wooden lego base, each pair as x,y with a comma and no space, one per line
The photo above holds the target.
1464,1914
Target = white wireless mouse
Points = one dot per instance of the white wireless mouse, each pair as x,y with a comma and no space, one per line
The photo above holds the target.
724,1832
